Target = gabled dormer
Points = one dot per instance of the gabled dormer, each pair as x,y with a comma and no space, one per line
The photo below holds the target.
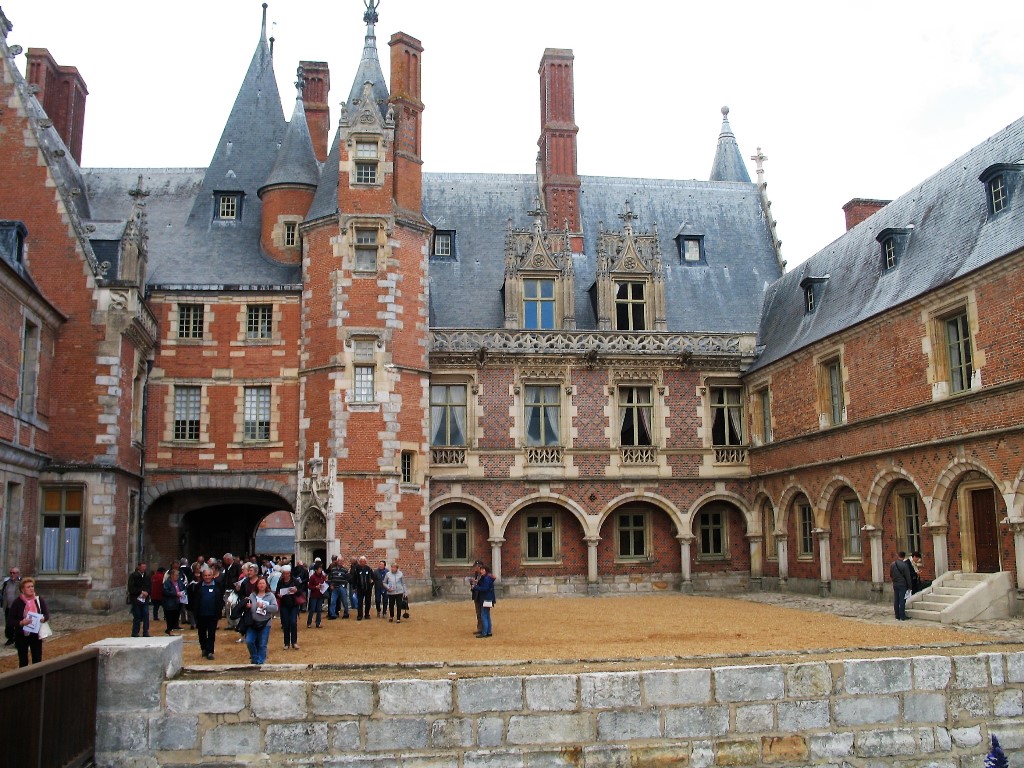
630,284
368,138
539,283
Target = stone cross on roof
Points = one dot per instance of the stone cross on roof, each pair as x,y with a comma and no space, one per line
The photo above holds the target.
628,216
759,159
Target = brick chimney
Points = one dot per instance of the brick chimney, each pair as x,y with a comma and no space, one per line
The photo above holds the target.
62,93
406,98
557,143
318,111
860,208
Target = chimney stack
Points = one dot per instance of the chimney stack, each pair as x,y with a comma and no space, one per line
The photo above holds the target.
557,163
62,93
406,99
860,208
318,112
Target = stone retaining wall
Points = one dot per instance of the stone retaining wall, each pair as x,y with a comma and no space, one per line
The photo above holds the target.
910,712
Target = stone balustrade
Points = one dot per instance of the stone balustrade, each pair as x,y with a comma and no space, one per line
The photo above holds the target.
906,711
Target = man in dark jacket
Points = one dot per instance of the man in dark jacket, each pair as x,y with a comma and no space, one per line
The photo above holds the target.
361,578
902,577
206,599
337,577
139,585
232,569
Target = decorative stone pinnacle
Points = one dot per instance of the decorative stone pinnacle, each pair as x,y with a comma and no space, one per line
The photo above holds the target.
370,17
628,216
300,81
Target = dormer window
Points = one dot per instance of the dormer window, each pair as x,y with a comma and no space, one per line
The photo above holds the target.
12,241
997,198
889,253
444,245
630,307
228,206
814,288
1000,182
539,303
893,242
691,249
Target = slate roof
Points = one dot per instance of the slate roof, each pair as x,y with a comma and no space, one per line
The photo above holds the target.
952,235
728,164
722,294
296,162
369,71
247,150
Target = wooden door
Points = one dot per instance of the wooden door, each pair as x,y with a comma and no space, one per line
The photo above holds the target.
986,538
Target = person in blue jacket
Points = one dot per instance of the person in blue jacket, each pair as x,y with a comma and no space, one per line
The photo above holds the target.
485,594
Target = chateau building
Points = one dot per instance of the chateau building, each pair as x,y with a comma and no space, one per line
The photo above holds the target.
591,383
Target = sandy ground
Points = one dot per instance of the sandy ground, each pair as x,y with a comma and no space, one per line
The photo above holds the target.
552,634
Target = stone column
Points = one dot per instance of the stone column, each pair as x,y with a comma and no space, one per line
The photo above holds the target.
1017,526
824,561
496,556
782,548
592,542
131,722
940,546
877,566
686,585
756,561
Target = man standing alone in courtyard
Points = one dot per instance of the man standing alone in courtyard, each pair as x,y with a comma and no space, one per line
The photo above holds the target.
139,586
902,578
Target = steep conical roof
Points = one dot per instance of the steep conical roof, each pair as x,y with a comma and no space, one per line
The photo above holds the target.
325,201
249,144
296,162
728,165
369,66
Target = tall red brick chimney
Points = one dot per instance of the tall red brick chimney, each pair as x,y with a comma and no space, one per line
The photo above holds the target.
557,143
62,93
860,208
318,111
406,98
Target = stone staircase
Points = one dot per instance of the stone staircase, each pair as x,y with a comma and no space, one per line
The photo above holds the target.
957,597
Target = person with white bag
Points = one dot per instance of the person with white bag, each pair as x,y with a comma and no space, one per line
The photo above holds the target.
28,620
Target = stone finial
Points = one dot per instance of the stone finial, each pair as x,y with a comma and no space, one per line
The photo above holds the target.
371,17
300,81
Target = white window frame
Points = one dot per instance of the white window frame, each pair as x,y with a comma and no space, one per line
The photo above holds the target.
256,421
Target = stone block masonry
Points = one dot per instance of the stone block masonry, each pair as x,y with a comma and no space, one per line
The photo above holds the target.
910,712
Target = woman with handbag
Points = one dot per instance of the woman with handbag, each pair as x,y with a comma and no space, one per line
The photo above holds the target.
394,585
262,605
28,611
289,600
175,596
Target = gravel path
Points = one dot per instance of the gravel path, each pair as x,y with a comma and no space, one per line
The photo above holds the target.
556,633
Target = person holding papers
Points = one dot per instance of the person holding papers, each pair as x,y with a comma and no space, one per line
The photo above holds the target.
261,606
289,594
25,621
318,587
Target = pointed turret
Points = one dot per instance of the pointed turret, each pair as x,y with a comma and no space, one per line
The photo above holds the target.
728,165
288,190
247,148
369,70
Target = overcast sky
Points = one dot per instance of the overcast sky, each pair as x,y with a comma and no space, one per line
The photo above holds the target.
846,99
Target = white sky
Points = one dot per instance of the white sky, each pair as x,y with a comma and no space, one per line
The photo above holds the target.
846,99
